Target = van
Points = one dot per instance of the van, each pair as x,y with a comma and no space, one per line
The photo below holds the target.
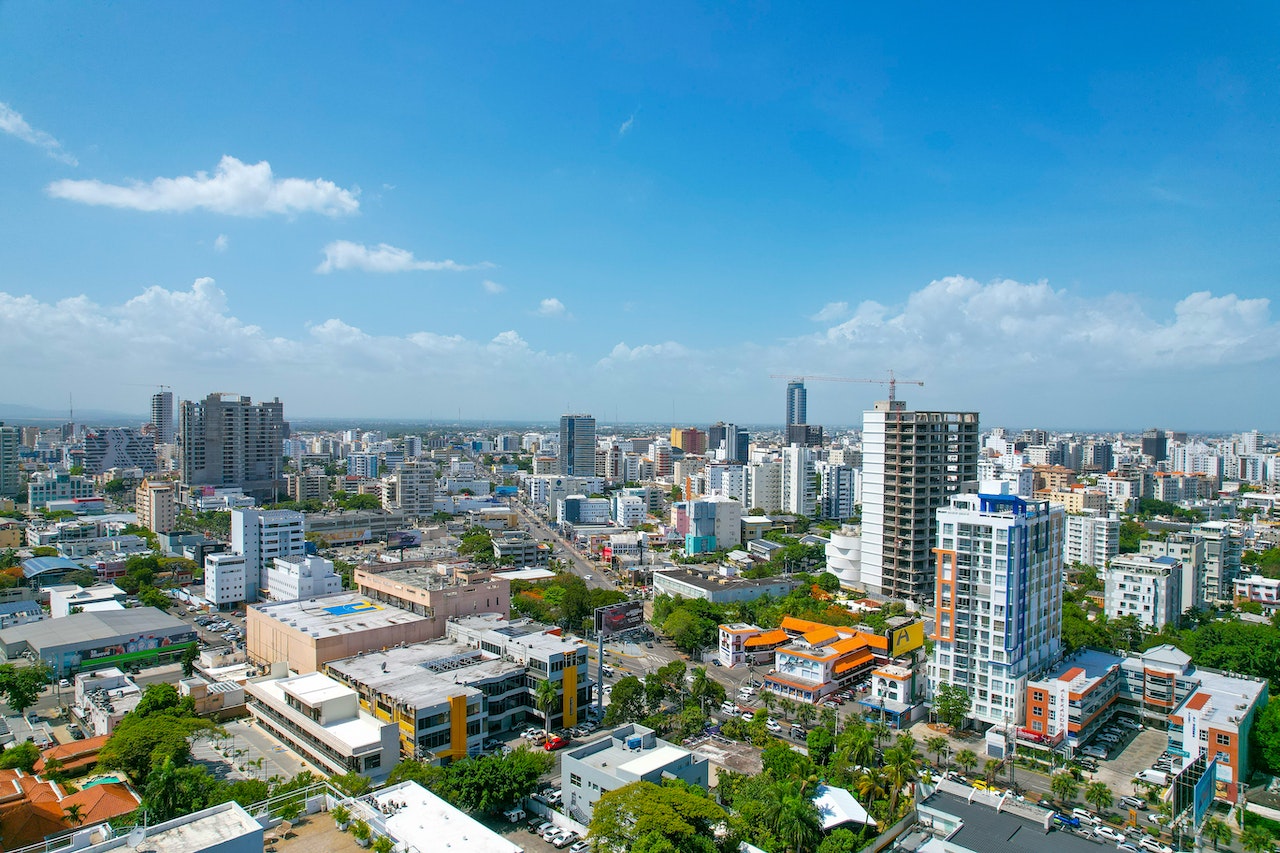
1153,777
514,815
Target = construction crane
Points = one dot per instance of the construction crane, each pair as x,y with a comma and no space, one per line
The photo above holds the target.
892,381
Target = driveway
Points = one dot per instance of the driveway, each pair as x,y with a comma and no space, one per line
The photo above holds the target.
1139,752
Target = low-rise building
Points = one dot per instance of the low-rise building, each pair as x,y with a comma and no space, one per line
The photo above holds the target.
354,527
308,633
220,700
224,580
47,486
632,753
66,599
434,593
321,719
20,612
1147,588
1260,590
416,819
224,828
294,577
138,636
102,698
519,548
718,588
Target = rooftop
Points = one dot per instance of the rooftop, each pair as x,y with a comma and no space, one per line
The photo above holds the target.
198,831
406,673
331,615
712,583
418,819
92,626
989,831
1090,664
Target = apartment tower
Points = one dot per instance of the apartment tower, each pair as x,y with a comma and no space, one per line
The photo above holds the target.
228,440
162,417
913,462
577,445
797,403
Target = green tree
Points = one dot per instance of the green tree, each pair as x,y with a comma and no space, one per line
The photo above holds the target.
1064,787
967,759
22,756
821,743
643,816
189,658
841,840
828,582
73,814
1218,831
158,729
791,816
149,596
940,747
626,702
352,783
546,697
21,685
173,791
492,783
705,690
1255,839
952,704
1099,796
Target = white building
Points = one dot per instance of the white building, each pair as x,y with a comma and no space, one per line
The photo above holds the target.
411,489
261,536
728,521
840,490
1222,552
998,598
628,510
321,719
1256,588
224,579
799,492
1189,550
1093,538
764,486
1149,588
728,479
291,578
71,598
46,486
580,509
844,556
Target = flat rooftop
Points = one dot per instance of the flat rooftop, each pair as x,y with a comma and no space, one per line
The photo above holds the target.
1092,664
88,627
202,830
711,583
1232,696
420,820
340,613
424,674
357,733
989,831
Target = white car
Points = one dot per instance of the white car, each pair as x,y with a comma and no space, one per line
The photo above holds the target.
1109,834
773,726
728,708
747,716
1153,846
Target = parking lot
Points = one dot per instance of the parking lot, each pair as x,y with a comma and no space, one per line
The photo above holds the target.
1136,752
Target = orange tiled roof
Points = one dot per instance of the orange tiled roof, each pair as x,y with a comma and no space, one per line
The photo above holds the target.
1198,701
77,753
43,811
768,638
820,635
862,658
792,625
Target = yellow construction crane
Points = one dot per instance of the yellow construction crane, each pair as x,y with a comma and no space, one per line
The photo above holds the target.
892,381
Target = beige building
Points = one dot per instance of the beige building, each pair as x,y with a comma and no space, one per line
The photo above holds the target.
433,593
157,506
1076,499
308,633
309,486
1054,478
11,533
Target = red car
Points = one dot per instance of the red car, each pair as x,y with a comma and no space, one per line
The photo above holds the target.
555,742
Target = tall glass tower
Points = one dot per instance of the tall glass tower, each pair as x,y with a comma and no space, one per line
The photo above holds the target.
797,403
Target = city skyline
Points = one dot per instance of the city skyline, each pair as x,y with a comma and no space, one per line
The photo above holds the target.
1048,218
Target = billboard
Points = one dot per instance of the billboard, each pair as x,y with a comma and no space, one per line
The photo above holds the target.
404,539
617,618
903,640
1203,796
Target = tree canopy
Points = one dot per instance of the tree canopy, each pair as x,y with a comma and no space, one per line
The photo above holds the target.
643,816
155,731
21,685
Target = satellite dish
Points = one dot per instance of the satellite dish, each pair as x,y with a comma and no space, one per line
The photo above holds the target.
137,836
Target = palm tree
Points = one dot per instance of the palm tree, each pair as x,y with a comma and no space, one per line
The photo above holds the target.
940,747
805,714
545,697
1255,839
792,817
73,814
767,699
870,786
967,759
828,719
1099,796
880,730
990,769
787,707
860,749
899,770
906,744
1218,831
1064,787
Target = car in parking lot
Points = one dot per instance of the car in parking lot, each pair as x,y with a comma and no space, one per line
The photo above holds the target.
1109,834
1095,750
773,726
728,708
564,839
829,704
747,716
555,742
538,826
1152,846
580,846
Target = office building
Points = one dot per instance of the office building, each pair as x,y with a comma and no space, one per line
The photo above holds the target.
1093,538
308,633
433,594
10,481
577,446
630,754
729,443
1147,588
410,489
1155,444
291,578
580,509
805,435
224,580
228,440
797,403
118,447
48,486
321,719
998,599
162,417
261,536
913,462
156,503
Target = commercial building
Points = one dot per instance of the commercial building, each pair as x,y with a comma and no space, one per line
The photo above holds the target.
998,599
1147,588
156,502
632,753
416,819
913,462
410,489
433,593
228,440
577,446
1092,538
321,719
719,588
519,548
308,633
291,578
797,403
820,659
102,698
118,447
1202,710
66,599
141,636
446,696
261,536
224,580
20,612
1260,590
354,527
46,486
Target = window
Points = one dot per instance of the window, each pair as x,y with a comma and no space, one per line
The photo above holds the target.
575,780
1223,739
1037,711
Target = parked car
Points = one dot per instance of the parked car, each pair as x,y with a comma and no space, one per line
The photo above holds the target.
1066,820
514,815
1109,834
542,827
551,832
1134,803
773,726
1126,847
1085,816
747,716
728,708
1095,750
1153,846
583,846
555,742
829,704
564,839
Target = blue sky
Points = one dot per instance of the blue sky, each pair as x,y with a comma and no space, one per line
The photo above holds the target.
1065,218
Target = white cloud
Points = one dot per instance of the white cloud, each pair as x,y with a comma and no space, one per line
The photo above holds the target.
625,127
492,287
12,123
345,255
234,189
221,243
621,353
551,307
831,312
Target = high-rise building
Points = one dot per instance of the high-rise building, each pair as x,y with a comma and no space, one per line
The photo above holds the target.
10,441
411,489
228,440
763,485
1144,587
1155,444
913,462
999,599
118,447
797,403
1093,538
577,445
838,492
732,441
162,417
156,505
799,491
689,439
261,536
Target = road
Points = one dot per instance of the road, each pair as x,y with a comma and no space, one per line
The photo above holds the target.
563,549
